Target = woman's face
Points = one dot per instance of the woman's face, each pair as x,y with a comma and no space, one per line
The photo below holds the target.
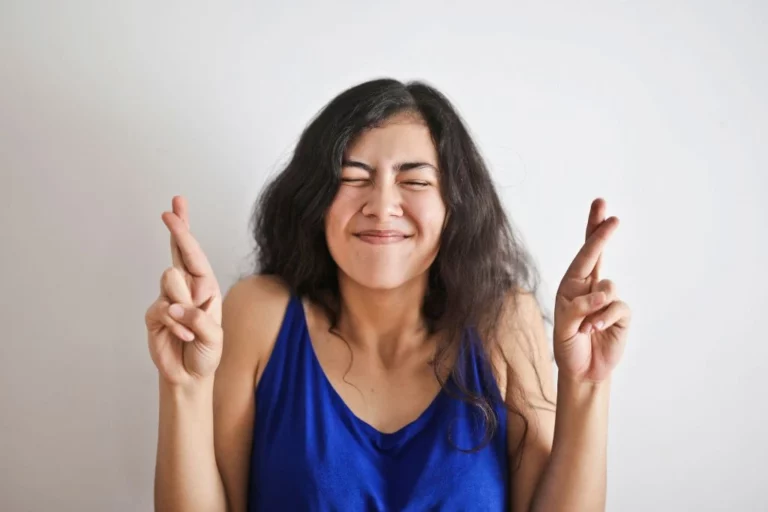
383,227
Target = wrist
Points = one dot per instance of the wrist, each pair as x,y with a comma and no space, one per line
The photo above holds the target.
197,390
579,391
582,409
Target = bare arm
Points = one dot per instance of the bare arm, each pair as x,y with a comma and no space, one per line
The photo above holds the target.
564,460
575,475
207,354
186,476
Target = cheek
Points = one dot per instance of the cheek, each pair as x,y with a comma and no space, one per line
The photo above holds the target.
429,214
340,212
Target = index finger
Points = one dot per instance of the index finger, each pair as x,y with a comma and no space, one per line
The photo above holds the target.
596,217
587,258
190,253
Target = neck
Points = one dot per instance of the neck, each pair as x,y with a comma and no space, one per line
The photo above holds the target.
388,322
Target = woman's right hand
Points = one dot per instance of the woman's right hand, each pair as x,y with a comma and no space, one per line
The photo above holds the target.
184,323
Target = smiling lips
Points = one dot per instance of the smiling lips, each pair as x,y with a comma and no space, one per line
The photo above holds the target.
380,237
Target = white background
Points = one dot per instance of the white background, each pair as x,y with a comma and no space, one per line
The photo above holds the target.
107,109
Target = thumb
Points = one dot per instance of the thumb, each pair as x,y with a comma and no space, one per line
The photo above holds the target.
203,325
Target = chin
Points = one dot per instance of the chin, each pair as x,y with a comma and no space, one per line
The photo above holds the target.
380,280
381,284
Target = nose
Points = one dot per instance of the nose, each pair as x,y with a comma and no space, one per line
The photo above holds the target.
384,200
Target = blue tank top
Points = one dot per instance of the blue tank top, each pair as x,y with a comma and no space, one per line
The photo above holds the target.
310,452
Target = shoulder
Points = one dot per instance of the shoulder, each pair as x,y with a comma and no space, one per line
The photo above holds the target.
267,291
252,313
521,351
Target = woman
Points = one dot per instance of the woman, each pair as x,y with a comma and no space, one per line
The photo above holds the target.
390,353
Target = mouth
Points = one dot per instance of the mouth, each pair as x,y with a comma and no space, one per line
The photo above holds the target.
381,237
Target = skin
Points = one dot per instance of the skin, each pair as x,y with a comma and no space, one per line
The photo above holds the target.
383,230
206,384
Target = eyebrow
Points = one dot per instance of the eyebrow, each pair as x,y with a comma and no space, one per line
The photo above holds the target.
399,167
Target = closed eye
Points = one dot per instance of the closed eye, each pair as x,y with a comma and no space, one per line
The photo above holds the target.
417,184
363,181
355,181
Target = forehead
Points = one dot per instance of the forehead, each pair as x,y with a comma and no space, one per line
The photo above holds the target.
403,136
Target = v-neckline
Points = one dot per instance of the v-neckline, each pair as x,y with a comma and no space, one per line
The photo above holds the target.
382,439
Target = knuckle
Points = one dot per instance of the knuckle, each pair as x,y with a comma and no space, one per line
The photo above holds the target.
196,318
152,311
212,287
609,289
151,307
174,285
167,277
626,309
168,273
560,305
149,314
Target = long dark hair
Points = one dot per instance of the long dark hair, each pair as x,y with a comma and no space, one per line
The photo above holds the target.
480,263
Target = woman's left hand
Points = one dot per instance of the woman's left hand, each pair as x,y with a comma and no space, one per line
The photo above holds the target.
591,322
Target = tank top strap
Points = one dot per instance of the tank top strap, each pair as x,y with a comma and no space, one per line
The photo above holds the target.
286,364
475,369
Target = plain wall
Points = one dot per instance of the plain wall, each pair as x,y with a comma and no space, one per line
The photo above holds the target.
108,109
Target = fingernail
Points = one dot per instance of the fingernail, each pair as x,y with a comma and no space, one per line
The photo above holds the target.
176,311
599,325
188,336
